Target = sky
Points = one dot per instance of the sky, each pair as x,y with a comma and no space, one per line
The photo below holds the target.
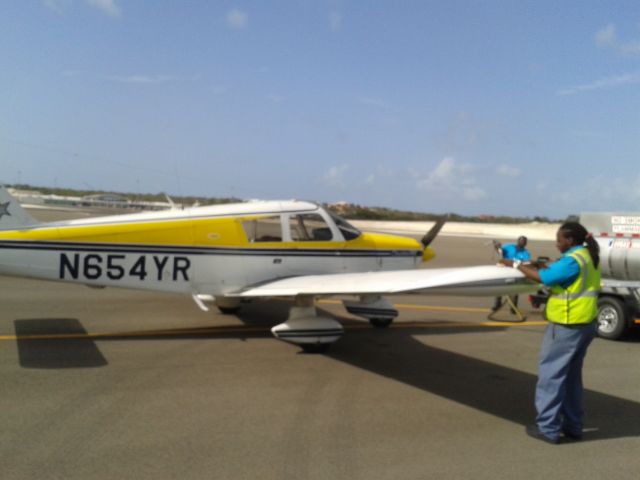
523,108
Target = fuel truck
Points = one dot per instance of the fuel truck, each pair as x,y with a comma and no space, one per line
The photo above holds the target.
618,235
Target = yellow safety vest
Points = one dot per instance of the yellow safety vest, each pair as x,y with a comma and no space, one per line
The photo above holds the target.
577,304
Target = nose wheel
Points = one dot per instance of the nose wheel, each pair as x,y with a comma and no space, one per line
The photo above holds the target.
378,310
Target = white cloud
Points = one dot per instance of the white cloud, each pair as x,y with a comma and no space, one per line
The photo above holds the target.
443,175
606,36
335,21
604,83
453,179
508,171
237,19
110,7
597,193
335,176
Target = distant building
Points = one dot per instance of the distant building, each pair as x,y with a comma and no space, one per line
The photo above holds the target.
113,200
34,197
100,200
106,200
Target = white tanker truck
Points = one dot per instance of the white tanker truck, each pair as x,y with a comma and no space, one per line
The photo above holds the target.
618,235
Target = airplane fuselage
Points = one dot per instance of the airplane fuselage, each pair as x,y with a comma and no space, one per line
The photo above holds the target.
206,250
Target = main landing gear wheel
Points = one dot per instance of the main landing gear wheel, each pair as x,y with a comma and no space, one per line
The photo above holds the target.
229,310
315,348
381,322
378,310
228,306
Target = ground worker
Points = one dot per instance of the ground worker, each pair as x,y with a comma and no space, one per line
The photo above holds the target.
511,251
571,310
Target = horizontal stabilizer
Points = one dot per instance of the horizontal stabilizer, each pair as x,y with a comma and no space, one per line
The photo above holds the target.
12,215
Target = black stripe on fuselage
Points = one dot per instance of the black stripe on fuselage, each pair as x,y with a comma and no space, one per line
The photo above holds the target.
194,250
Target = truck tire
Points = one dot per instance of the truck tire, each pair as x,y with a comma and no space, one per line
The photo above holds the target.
612,318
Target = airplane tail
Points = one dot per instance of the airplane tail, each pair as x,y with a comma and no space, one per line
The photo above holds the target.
12,215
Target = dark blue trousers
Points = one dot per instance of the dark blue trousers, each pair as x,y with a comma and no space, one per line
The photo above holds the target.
559,387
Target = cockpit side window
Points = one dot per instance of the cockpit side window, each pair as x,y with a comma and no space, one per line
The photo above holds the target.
309,227
349,232
265,229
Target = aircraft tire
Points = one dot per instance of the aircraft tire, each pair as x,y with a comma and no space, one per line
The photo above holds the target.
229,310
315,348
381,322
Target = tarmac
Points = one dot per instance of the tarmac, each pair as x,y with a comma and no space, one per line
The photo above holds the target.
104,384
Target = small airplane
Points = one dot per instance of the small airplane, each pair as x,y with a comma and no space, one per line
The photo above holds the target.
227,254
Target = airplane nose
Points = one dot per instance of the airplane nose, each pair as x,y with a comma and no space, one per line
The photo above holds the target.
428,253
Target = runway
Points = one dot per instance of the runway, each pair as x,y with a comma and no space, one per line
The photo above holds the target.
105,384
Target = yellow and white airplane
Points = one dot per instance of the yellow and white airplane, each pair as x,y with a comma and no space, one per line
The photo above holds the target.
227,254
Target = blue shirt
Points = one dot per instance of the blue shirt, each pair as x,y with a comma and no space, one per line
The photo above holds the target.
510,251
563,272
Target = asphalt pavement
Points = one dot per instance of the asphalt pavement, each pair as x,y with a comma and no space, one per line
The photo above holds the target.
115,384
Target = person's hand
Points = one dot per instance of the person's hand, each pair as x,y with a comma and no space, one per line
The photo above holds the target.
505,262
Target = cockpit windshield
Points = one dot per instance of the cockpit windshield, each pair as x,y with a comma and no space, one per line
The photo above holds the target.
349,232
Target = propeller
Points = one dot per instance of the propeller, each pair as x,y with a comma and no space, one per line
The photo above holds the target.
433,233
428,252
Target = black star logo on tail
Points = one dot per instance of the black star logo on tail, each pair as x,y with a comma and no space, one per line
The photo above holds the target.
4,209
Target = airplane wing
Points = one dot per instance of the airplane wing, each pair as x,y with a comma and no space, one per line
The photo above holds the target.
490,280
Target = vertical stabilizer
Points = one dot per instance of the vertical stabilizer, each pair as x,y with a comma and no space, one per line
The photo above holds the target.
12,215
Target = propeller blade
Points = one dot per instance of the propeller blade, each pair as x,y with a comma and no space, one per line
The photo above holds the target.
433,233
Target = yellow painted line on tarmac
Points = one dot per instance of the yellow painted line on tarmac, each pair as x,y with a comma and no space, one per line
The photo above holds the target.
227,329
431,308
466,324
221,330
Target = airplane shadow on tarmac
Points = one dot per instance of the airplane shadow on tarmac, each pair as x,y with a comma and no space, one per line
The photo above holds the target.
38,346
491,388
393,353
